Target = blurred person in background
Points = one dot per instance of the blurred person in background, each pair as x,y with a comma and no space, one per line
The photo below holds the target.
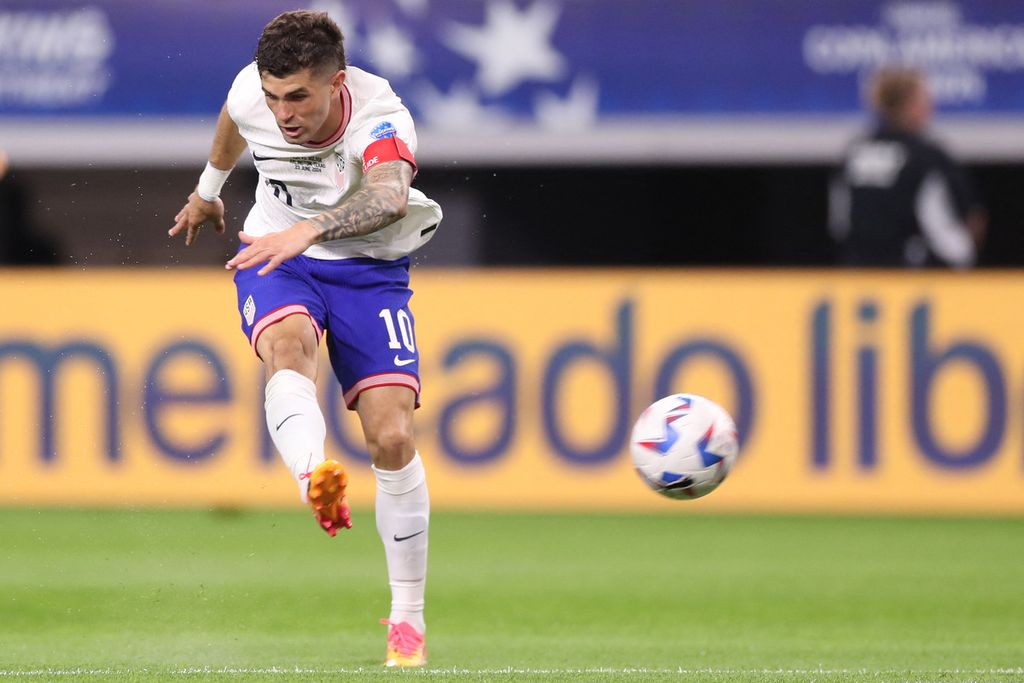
325,251
20,242
899,199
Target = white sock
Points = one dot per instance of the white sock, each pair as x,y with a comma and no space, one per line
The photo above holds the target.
296,424
403,519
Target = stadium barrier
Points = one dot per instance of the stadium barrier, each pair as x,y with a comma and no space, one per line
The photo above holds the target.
887,392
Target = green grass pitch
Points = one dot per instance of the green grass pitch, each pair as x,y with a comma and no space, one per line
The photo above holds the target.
240,596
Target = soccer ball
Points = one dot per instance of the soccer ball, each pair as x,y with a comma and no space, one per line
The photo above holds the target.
684,445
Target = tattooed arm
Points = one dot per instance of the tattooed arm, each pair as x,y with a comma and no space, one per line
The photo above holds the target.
380,201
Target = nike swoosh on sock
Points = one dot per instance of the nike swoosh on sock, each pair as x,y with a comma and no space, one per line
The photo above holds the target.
278,427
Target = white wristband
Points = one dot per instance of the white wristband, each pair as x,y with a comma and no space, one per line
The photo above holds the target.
211,181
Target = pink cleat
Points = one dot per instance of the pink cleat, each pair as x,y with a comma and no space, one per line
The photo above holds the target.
326,495
406,645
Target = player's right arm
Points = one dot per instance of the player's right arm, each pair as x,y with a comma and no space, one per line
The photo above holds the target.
204,204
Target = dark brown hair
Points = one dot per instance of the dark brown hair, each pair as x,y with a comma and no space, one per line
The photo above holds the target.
299,40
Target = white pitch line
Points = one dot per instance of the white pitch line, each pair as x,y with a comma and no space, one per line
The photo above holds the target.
510,671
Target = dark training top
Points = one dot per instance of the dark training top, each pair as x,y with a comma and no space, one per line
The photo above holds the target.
900,200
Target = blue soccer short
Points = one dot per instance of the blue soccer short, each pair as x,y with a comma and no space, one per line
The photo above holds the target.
361,304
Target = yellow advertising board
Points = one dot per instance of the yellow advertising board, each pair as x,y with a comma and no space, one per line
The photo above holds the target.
884,392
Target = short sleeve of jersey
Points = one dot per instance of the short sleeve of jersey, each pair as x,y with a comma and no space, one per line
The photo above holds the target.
240,96
387,137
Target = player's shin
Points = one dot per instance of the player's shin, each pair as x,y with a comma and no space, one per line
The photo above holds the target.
403,519
296,424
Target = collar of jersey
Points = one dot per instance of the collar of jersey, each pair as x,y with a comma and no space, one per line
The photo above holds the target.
346,116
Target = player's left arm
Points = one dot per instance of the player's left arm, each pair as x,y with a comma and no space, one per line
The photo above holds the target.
381,200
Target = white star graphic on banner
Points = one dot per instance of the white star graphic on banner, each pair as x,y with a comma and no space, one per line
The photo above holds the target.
459,110
511,47
391,51
415,7
577,110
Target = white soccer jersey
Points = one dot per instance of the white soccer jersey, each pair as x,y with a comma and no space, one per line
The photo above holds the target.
300,181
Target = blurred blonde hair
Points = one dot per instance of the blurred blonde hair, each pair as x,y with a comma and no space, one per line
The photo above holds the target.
890,88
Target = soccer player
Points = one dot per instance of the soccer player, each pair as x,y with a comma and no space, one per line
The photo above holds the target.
324,253
899,199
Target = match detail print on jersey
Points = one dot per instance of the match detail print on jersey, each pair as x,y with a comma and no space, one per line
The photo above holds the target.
387,149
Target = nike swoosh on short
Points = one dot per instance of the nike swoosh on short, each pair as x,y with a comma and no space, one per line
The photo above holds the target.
257,157
406,538
403,361
285,420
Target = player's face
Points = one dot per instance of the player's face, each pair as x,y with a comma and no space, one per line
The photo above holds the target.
919,109
305,104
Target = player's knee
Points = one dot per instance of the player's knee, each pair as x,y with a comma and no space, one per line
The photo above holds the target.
392,447
286,352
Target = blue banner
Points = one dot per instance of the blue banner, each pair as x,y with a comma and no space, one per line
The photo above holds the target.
547,62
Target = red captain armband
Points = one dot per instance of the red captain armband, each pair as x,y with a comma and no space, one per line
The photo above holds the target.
387,149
